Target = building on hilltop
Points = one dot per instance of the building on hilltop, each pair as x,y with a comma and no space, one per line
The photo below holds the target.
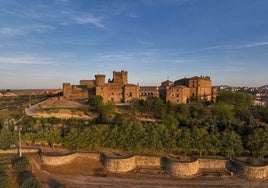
119,90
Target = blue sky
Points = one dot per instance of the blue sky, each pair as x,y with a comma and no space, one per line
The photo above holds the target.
44,43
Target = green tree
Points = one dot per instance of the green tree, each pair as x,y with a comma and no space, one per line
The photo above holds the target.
95,101
6,139
214,144
31,183
185,143
106,112
53,136
71,139
200,138
257,142
223,111
231,143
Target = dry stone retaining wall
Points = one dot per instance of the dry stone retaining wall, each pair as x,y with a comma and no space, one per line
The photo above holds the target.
119,165
170,165
250,172
66,159
212,163
181,169
148,161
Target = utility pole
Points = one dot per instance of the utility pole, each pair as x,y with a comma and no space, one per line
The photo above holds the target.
19,142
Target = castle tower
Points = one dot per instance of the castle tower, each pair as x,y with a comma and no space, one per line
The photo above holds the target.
120,77
66,90
100,79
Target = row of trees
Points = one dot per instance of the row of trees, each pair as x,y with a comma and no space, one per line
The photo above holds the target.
155,138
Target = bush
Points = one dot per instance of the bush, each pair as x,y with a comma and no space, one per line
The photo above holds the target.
20,164
3,181
31,182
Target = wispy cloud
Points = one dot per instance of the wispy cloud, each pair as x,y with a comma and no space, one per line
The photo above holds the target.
7,31
20,30
226,47
90,19
251,45
165,2
31,60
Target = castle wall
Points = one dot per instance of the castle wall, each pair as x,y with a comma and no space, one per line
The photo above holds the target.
110,92
66,159
131,92
172,166
88,83
148,161
119,165
181,169
177,94
212,163
146,91
250,172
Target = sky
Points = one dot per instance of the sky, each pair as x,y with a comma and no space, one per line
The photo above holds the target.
44,43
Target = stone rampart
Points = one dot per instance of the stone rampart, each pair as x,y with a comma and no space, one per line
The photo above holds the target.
174,166
212,163
66,159
119,165
181,169
148,161
251,172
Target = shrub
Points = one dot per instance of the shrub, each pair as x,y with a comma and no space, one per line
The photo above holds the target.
3,181
31,182
20,164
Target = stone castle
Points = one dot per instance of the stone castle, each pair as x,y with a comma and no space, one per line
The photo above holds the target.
118,90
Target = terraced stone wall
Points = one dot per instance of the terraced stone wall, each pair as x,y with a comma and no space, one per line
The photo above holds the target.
66,159
181,169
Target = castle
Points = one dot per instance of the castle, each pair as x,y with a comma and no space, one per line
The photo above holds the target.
118,90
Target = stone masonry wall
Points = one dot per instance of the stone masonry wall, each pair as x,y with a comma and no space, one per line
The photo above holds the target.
212,163
181,169
119,165
250,172
66,159
148,161
170,165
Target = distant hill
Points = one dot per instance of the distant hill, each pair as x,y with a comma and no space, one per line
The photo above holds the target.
224,86
264,87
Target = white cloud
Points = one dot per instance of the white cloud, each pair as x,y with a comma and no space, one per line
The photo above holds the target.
7,31
31,60
89,19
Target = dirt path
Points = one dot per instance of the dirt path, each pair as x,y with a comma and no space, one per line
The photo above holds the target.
132,180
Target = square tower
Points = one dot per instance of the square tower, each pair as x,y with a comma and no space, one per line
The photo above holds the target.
120,77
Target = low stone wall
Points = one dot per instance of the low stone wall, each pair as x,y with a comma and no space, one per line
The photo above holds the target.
148,161
11,151
181,169
66,159
250,172
173,166
212,163
119,165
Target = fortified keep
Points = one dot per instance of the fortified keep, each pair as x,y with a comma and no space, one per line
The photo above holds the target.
119,91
